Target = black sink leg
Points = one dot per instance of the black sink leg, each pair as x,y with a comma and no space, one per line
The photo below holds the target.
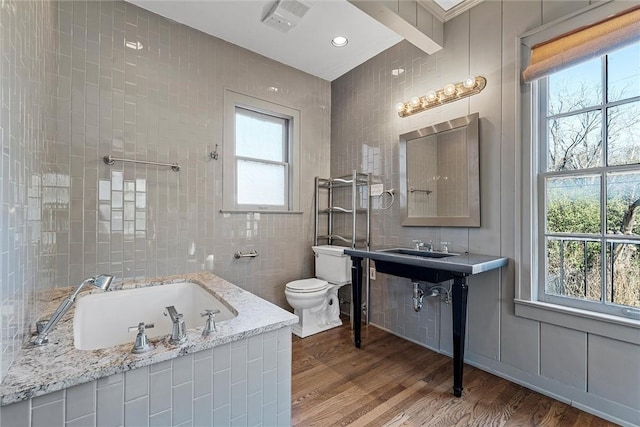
356,304
459,293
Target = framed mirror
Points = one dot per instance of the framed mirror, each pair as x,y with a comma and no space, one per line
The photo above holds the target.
440,174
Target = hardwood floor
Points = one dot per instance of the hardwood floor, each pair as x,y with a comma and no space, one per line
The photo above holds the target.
393,382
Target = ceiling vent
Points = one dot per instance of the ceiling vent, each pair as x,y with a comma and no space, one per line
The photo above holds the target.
286,14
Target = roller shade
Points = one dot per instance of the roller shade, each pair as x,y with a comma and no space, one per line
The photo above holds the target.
584,43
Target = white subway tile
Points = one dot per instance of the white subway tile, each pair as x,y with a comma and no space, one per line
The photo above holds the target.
47,398
16,414
203,411
284,396
182,403
221,358
159,392
202,377
221,388
254,409
136,383
254,376
51,414
80,400
270,414
182,369
162,419
136,412
110,405
270,386
254,347
238,361
222,416
238,399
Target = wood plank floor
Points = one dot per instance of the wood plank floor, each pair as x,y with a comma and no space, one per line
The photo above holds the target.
393,382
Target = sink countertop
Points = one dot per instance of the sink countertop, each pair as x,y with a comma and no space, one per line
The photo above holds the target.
465,263
58,364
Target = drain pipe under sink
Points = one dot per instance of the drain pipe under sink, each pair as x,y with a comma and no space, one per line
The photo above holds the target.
418,295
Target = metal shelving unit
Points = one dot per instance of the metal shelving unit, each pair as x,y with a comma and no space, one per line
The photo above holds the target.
345,203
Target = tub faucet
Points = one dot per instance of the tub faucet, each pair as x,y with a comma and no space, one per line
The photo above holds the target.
179,331
101,281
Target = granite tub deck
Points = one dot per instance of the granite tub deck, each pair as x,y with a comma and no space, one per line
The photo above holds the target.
59,365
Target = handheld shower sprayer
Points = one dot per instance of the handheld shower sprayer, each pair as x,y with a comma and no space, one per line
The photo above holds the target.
101,281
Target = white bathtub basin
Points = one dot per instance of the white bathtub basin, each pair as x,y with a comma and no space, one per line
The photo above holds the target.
102,320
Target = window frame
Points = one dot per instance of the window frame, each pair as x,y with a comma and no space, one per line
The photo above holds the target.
232,101
540,119
526,302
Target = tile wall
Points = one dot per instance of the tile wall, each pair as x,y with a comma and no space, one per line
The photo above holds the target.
111,78
28,67
246,382
138,86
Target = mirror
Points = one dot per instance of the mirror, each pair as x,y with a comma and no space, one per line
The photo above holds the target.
439,168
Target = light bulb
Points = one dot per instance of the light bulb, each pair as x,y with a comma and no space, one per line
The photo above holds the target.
431,96
415,102
449,89
469,82
400,107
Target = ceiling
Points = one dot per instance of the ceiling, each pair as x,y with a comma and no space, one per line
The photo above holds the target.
306,47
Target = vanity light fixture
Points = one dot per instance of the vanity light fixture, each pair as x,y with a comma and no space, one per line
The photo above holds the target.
449,93
339,41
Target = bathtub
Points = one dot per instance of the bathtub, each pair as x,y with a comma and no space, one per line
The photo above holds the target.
240,372
102,320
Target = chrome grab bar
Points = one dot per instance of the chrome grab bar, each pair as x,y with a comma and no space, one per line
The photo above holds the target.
250,254
416,190
110,160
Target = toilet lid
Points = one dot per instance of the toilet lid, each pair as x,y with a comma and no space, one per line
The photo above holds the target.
307,285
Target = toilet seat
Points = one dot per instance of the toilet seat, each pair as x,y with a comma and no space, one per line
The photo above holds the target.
306,285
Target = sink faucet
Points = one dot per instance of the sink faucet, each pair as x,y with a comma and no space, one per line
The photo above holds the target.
430,246
101,281
179,331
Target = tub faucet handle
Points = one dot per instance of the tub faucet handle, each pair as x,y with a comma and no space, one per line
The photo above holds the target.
142,342
210,323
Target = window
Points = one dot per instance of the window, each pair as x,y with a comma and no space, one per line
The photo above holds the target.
260,167
589,184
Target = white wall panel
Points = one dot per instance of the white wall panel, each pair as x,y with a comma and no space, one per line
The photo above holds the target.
519,337
614,370
554,9
563,355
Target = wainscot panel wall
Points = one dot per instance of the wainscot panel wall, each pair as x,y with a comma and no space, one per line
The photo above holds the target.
589,371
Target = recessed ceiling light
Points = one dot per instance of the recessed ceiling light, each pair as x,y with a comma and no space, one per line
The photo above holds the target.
339,41
397,71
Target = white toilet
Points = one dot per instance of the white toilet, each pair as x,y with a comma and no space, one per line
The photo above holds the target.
315,301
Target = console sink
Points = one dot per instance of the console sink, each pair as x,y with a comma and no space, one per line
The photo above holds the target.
413,252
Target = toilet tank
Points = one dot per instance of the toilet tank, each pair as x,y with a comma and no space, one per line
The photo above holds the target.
332,264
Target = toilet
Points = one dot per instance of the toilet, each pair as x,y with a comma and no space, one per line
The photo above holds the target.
315,301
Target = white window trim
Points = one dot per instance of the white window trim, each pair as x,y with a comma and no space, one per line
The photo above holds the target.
526,300
232,100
